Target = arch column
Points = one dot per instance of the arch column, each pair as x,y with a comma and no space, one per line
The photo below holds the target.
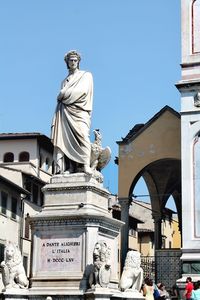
124,202
157,231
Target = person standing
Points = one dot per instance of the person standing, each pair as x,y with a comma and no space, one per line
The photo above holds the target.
196,291
188,288
175,292
162,291
71,122
148,289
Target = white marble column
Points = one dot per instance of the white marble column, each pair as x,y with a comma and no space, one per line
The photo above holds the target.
189,87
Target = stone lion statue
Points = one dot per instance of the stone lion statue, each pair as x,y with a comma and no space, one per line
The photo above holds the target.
100,276
13,273
132,275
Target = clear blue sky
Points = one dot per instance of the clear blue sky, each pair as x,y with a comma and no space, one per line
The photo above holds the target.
131,47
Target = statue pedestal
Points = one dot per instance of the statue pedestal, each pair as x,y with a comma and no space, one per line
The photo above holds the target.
74,217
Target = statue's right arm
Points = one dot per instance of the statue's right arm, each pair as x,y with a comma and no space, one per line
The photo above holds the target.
62,92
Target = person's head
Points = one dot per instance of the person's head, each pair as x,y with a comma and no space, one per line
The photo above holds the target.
148,281
197,285
161,287
175,288
72,59
188,279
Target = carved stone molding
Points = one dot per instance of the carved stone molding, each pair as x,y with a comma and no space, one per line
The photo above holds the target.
105,226
57,188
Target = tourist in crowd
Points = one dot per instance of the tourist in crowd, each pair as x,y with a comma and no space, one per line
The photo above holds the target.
164,295
196,292
148,289
188,288
156,293
175,295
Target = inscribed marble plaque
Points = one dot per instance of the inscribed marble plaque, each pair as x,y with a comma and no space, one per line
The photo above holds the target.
60,253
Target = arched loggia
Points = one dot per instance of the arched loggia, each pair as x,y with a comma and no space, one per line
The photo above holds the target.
163,179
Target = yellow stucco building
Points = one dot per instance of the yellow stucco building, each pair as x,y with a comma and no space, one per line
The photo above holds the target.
151,151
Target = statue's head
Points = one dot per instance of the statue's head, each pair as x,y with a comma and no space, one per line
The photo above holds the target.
101,251
73,54
11,252
133,259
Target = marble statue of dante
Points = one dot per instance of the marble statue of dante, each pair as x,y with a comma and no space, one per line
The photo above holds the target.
72,118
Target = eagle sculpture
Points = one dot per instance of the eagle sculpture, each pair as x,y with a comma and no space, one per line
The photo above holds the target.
100,157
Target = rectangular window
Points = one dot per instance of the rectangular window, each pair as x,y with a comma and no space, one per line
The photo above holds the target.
28,187
25,263
35,193
163,242
132,232
4,198
152,243
14,208
41,198
1,252
26,233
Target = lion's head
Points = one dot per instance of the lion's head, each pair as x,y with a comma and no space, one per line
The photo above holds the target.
101,251
133,259
11,253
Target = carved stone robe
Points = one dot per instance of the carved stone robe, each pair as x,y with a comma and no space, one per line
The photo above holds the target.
72,118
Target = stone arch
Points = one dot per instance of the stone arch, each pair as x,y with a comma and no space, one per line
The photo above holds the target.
163,179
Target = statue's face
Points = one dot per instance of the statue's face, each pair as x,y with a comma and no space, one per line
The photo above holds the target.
73,62
96,252
10,252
